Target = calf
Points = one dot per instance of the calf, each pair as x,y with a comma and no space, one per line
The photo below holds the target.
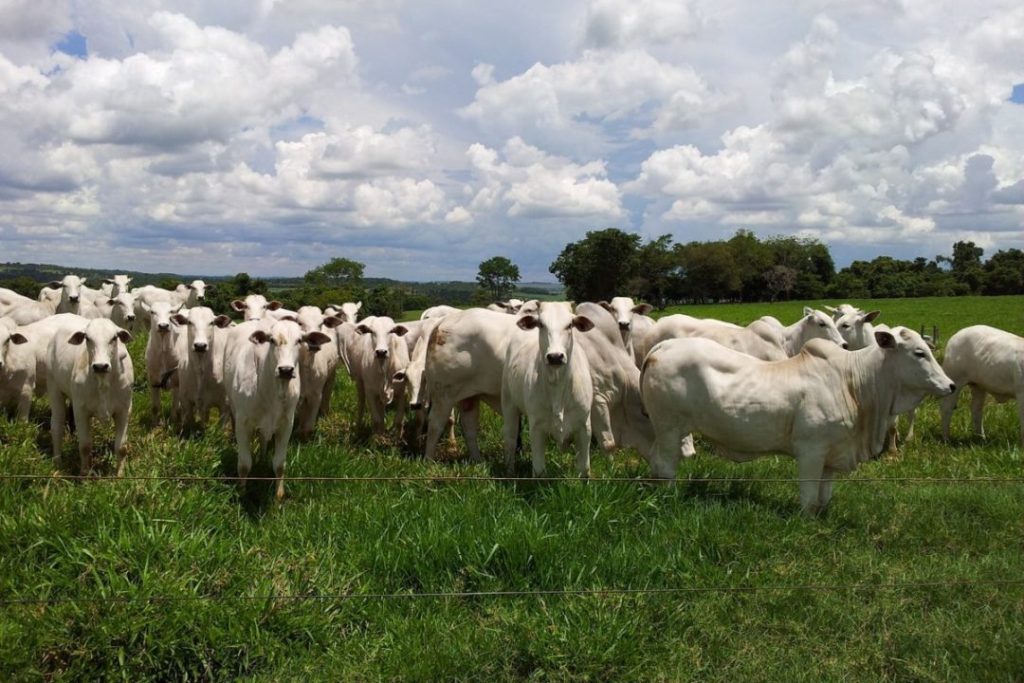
263,388
548,379
829,409
17,370
990,361
90,365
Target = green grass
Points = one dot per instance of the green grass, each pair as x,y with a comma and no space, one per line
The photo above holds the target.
135,539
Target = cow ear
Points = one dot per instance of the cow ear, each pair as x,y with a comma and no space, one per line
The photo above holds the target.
316,338
808,311
124,335
222,321
274,305
582,323
528,322
55,284
332,321
288,316
885,339
145,307
643,309
77,338
238,305
179,319
400,330
605,305
112,302
108,281
363,329
18,338
259,337
830,309
359,304
868,317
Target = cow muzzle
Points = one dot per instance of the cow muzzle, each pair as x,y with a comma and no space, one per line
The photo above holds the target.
200,347
415,406
286,371
73,299
556,359
163,327
381,353
101,368
623,325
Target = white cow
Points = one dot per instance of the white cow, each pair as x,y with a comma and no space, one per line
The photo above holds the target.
375,358
990,361
24,310
465,359
348,311
117,284
148,295
70,289
624,310
764,339
841,310
120,309
263,386
641,327
255,306
829,409
160,358
89,365
512,306
855,327
194,389
318,365
192,294
547,379
17,369
437,312
39,335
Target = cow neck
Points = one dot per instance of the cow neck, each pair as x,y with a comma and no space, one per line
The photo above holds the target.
791,337
874,395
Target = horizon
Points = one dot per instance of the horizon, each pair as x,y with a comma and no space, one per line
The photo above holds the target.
258,138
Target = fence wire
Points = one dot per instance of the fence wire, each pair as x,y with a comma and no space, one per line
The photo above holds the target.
554,593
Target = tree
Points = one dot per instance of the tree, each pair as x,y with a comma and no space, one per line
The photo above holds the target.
780,279
599,266
498,276
338,273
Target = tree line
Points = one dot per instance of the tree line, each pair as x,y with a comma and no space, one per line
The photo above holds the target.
746,268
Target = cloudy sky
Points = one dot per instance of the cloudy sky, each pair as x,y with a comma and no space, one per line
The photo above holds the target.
422,137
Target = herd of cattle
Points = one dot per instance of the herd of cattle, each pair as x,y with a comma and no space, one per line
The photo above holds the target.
826,389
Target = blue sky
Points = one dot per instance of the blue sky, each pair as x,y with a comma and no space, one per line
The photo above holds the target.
422,138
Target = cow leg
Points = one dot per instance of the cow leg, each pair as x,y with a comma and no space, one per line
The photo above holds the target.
977,409
243,443
400,408
1020,414
377,407
58,414
510,432
810,470
83,429
360,402
583,451
154,402
325,395
451,428
470,411
538,442
687,449
911,418
436,418
946,407
665,454
825,489
600,416
280,451
24,403
120,434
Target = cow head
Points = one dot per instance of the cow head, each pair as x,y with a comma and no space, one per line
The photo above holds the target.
555,322
348,312
122,308
71,289
255,306
910,363
160,313
197,291
382,331
101,337
199,324
855,327
817,325
118,284
286,338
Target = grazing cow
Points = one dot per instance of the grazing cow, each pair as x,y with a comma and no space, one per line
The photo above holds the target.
829,409
160,358
624,310
547,379
89,364
348,311
437,312
255,306
194,389
512,306
764,339
261,373
378,359
24,310
990,361
318,365
465,359
17,369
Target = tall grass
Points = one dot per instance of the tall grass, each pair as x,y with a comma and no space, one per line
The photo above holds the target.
137,541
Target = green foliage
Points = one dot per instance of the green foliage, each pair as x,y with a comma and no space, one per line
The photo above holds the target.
599,266
497,276
136,539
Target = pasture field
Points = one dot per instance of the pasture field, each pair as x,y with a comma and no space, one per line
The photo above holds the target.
188,580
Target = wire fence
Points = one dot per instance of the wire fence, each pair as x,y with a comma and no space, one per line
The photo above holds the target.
455,479
553,593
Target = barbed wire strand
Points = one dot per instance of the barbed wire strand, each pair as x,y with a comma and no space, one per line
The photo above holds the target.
441,479
566,592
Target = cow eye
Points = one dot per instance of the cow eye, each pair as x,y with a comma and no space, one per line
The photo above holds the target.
821,324
846,325
920,353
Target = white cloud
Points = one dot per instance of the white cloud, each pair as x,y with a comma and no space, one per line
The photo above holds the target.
626,23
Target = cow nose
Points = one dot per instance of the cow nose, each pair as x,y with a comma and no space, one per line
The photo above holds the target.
555,358
130,318
623,325
382,353
101,367
415,406
163,327
286,371
200,346
952,387
845,346
74,299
